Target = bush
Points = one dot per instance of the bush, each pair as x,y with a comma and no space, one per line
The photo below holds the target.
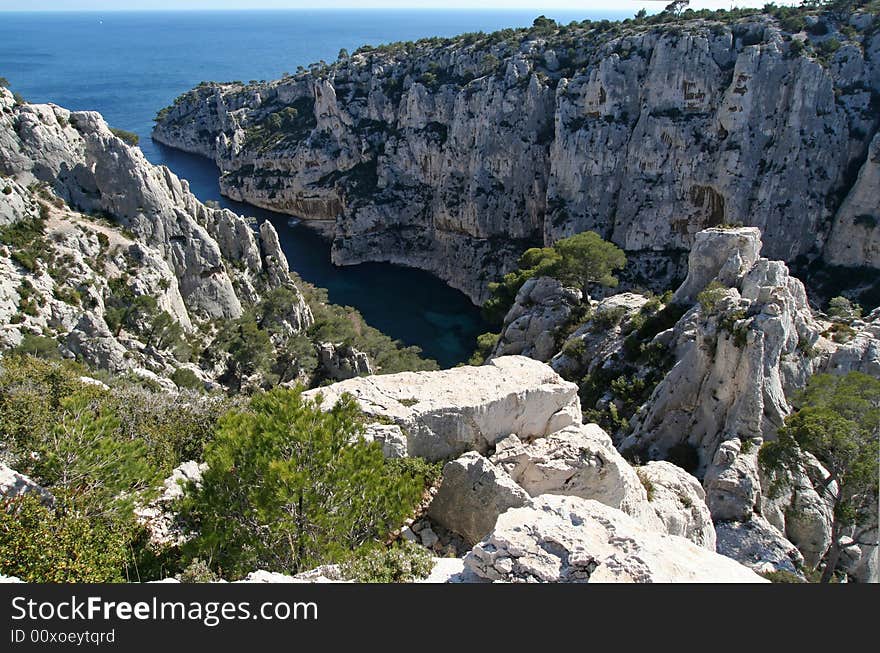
710,296
186,379
485,345
841,308
129,137
198,571
38,346
39,544
290,487
578,261
400,563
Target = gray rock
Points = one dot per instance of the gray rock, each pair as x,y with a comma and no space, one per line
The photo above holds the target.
472,495
14,484
758,545
571,540
449,412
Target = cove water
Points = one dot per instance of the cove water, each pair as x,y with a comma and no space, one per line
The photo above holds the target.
128,65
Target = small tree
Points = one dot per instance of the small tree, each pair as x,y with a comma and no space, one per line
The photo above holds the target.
82,459
843,309
838,421
586,258
249,347
289,487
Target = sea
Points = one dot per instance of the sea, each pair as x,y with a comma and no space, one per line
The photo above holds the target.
128,65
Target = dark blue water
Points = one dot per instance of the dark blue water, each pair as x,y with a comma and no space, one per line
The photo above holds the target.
128,65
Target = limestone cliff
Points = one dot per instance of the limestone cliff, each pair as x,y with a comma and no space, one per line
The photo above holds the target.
87,220
453,155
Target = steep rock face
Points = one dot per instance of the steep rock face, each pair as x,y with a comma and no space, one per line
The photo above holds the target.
449,412
573,540
740,353
94,171
102,220
454,157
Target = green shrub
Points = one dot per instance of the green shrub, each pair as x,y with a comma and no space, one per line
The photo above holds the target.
485,346
290,487
841,308
129,137
186,379
38,346
198,571
39,544
401,563
781,576
577,261
710,296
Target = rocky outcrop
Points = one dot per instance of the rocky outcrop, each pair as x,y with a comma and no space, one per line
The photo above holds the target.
542,306
342,361
679,501
13,484
99,219
474,492
742,350
455,157
577,461
158,517
573,540
757,544
449,412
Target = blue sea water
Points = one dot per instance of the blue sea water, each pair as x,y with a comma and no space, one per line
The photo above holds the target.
128,65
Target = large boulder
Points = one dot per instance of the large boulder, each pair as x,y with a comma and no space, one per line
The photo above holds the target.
472,495
449,412
678,500
577,461
758,545
542,306
572,540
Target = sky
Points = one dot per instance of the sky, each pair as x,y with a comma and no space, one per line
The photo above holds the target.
508,5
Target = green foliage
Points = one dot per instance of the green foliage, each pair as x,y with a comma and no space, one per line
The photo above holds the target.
38,346
81,457
249,348
173,428
781,576
185,379
129,137
841,308
26,240
578,260
290,487
40,544
646,483
198,571
485,345
837,419
404,562
710,296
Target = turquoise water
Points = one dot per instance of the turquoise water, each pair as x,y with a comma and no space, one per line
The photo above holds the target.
128,65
